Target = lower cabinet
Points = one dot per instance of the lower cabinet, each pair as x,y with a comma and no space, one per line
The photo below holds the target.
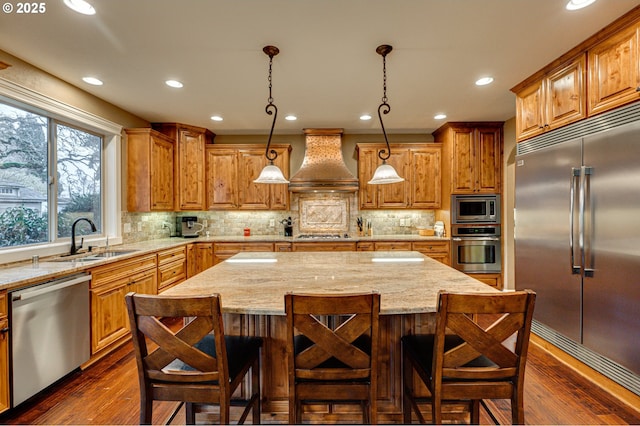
4,353
199,258
494,280
109,284
172,267
438,250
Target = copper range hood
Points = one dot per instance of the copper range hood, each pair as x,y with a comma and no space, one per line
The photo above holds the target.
323,167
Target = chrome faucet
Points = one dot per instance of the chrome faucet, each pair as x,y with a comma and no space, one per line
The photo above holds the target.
75,249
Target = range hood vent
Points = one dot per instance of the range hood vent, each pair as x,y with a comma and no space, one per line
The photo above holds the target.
323,167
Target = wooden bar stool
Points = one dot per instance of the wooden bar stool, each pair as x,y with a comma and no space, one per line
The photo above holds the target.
334,361
198,364
468,359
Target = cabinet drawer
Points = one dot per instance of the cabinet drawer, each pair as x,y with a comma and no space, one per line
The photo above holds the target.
324,246
393,245
431,246
103,275
366,246
171,255
238,247
171,273
279,247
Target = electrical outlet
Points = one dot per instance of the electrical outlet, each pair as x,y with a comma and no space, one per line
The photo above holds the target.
139,226
407,222
205,223
127,227
402,222
272,222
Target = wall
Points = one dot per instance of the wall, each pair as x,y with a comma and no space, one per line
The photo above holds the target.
508,203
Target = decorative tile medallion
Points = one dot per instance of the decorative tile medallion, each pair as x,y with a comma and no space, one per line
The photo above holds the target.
324,214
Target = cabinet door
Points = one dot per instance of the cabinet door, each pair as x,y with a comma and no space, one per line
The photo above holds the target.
252,196
190,189
463,164
145,283
222,188
279,193
109,321
192,260
396,194
204,256
162,155
367,163
565,94
487,153
614,73
425,190
530,110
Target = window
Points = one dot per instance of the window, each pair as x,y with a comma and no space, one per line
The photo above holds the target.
50,173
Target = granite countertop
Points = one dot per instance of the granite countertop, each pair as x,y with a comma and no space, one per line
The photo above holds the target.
407,281
23,274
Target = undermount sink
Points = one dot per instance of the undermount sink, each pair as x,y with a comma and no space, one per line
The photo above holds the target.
88,257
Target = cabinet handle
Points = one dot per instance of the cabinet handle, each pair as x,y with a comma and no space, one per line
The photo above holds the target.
638,89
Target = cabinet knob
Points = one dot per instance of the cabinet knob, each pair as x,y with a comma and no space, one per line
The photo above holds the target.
638,89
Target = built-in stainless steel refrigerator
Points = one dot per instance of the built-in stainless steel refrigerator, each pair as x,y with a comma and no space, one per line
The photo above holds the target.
577,237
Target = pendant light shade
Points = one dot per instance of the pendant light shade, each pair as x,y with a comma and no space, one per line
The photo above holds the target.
271,173
385,173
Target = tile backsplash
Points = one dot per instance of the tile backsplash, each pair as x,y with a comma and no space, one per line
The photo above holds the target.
149,226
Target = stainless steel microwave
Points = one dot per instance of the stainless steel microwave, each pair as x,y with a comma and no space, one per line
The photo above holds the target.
475,208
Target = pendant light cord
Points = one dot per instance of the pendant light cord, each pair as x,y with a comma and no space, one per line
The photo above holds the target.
271,108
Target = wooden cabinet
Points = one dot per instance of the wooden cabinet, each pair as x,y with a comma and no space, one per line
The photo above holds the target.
438,250
552,101
324,246
4,353
614,71
280,247
189,188
109,284
365,246
418,164
150,169
392,245
231,171
172,267
199,258
472,157
494,280
223,251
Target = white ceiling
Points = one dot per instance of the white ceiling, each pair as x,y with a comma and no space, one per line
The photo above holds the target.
327,72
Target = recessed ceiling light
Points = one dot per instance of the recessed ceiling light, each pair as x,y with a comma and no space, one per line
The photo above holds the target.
290,117
484,81
579,4
216,118
440,116
80,6
365,117
92,80
174,83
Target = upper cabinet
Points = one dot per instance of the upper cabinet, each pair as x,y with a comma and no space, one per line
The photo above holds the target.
231,170
189,179
614,71
554,100
418,164
150,169
601,73
472,157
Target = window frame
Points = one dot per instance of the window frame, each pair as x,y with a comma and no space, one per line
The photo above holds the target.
62,113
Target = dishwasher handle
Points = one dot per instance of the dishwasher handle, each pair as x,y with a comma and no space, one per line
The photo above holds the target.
38,290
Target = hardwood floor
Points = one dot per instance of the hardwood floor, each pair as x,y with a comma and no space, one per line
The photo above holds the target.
107,393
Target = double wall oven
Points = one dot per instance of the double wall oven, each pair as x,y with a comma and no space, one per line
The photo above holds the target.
475,233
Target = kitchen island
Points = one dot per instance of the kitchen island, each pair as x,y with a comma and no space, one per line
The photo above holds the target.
252,287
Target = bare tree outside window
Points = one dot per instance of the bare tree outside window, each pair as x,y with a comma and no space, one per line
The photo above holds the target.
28,207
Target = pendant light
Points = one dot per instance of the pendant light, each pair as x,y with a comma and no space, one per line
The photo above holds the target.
271,173
385,173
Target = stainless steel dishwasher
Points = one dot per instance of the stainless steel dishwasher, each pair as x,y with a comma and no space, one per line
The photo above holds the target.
49,325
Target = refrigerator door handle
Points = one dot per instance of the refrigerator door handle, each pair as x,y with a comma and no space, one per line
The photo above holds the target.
575,175
587,260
